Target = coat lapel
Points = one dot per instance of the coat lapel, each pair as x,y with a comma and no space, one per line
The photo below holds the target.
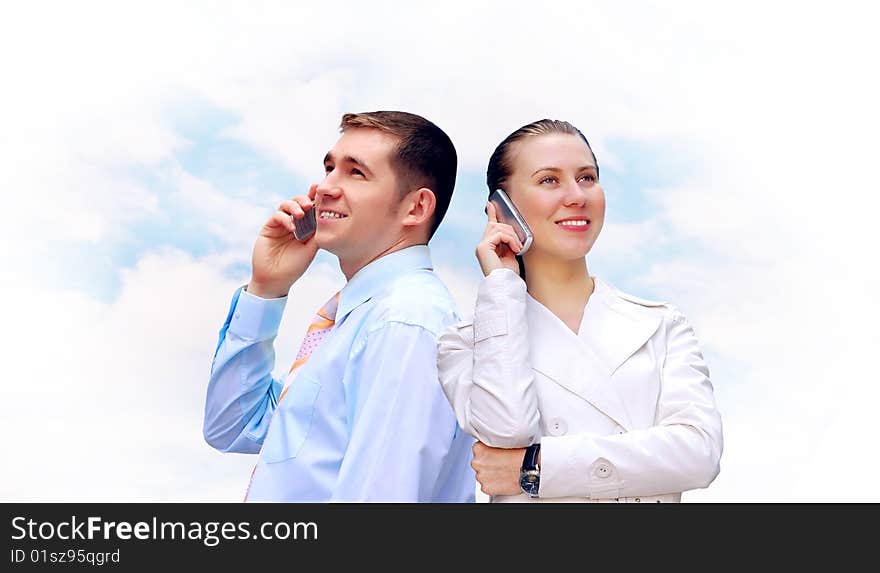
616,327
612,330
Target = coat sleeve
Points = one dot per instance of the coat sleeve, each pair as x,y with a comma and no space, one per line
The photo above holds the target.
681,451
484,368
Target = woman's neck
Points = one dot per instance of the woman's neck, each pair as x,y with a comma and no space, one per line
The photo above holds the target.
564,287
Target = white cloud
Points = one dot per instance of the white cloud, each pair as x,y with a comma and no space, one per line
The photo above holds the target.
292,120
233,222
623,245
110,396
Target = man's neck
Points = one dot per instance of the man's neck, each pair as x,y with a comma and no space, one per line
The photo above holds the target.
351,267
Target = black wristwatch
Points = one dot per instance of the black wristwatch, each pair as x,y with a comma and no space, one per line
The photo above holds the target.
530,473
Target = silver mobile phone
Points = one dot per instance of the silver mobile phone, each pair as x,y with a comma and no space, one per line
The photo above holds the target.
305,227
507,213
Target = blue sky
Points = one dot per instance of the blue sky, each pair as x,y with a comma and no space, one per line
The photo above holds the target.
238,170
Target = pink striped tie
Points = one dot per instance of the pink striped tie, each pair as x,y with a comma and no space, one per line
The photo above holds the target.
318,330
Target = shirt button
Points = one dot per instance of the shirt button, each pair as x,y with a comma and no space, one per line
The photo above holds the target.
557,427
237,315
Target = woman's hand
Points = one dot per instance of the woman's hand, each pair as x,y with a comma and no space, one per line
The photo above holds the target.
499,246
498,469
279,259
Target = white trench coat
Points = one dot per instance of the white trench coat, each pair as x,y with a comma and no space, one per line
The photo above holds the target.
624,410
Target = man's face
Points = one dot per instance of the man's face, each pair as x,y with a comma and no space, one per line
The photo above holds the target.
358,201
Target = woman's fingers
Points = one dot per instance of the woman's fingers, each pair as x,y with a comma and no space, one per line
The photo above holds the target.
490,212
501,233
494,250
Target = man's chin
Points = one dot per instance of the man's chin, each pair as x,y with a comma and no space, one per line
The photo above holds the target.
327,242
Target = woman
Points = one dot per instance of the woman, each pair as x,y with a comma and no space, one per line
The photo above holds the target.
576,391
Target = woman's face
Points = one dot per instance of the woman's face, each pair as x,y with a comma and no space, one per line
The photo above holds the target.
554,184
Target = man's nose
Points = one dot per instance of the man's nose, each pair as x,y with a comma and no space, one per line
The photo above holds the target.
327,188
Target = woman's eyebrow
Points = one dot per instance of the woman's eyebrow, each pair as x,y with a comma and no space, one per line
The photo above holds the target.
546,169
557,169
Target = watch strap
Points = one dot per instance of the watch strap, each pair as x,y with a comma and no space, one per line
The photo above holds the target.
530,458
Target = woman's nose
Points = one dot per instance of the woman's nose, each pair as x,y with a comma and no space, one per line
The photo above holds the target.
575,194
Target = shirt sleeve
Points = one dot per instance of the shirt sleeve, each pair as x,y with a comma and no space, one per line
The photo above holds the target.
242,394
484,366
401,427
681,451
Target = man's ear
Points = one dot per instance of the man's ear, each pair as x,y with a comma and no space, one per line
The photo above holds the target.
418,207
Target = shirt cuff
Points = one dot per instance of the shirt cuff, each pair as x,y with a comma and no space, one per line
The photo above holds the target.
255,318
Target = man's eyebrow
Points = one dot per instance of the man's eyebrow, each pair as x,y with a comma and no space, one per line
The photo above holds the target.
346,158
557,169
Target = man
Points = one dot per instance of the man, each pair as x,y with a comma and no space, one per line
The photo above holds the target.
361,416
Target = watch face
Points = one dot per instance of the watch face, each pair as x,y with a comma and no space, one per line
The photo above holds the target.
529,481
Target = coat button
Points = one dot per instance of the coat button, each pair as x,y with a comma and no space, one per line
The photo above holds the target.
557,427
602,471
638,500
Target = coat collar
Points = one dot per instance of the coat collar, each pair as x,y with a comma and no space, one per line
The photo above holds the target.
613,328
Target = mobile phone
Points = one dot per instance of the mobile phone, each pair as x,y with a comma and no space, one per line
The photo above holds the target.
305,227
507,213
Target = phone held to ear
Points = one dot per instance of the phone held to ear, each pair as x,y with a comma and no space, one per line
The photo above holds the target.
507,214
305,227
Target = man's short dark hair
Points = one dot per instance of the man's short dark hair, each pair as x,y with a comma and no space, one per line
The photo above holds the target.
424,157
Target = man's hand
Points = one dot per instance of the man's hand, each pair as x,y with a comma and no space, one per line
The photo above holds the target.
279,259
498,469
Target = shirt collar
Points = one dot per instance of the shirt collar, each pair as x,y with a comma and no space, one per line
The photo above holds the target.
375,276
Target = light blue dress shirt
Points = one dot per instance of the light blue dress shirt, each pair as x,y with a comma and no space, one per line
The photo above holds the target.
365,418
